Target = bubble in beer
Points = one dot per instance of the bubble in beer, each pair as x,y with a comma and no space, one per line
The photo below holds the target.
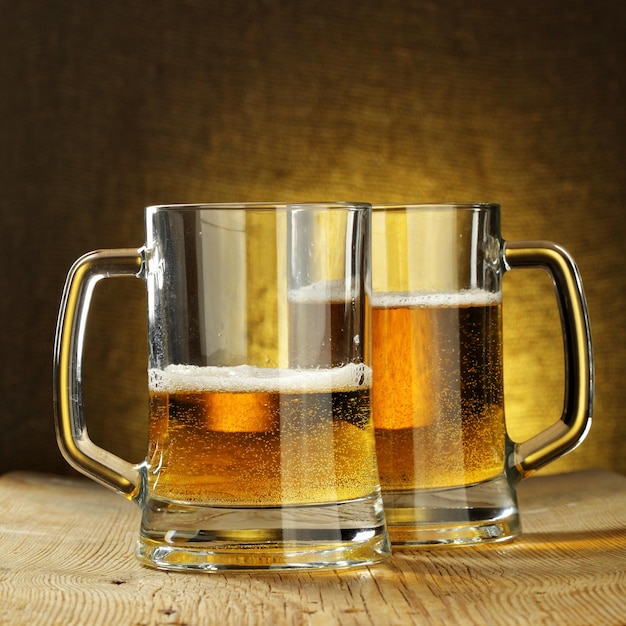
437,388
325,327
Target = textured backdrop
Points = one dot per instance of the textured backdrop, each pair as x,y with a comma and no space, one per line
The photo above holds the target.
106,107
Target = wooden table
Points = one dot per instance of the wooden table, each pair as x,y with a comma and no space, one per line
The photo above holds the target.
67,558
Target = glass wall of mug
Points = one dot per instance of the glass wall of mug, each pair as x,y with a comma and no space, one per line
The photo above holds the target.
261,445
447,467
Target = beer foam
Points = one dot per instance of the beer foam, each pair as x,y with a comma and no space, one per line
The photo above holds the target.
321,292
414,299
247,378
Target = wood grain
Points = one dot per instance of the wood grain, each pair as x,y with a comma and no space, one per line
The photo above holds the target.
67,558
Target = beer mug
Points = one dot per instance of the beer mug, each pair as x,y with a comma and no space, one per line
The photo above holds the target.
447,468
261,445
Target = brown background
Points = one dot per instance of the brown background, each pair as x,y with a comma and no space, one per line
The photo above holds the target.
106,107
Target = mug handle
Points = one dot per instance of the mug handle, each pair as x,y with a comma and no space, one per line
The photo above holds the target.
73,440
571,429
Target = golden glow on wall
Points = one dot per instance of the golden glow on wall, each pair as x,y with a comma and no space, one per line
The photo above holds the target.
115,106
533,354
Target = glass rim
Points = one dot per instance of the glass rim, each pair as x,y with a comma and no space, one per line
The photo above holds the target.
259,206
437,206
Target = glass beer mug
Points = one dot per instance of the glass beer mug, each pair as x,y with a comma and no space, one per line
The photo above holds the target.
447,468
261,445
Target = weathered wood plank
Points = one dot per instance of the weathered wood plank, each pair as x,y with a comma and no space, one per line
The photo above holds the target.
67,558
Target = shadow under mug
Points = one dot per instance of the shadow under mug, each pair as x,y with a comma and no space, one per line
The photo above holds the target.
448,469
261,445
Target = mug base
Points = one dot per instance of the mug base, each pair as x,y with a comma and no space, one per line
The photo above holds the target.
177,536
472,514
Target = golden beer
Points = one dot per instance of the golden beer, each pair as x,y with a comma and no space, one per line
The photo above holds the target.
325,328
247,436
437,394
